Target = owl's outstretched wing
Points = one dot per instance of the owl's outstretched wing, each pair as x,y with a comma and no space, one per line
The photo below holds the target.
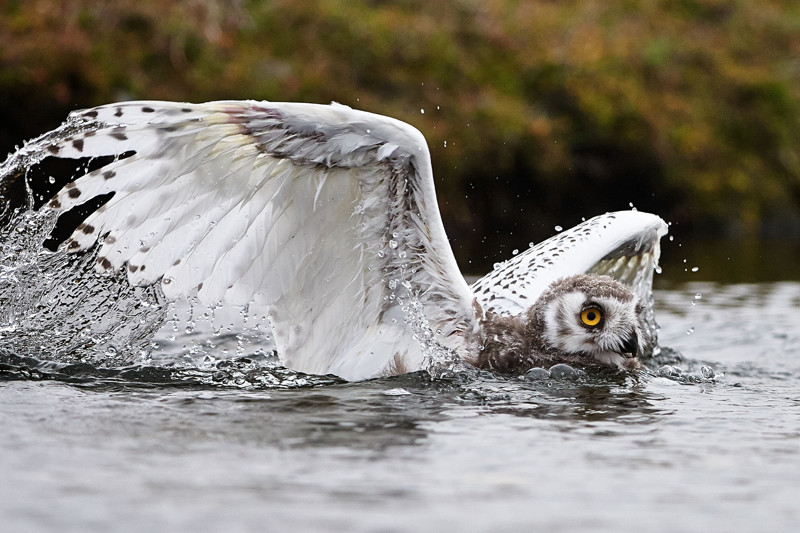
325,214
624,245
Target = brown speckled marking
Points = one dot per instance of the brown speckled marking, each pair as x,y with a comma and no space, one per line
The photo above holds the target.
133,268
108,174
78,144
90,114
148,110
119,112
53,149
88,230
119,136
54,203
104,262
72,245
74,193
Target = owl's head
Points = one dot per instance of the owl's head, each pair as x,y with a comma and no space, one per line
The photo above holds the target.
594,317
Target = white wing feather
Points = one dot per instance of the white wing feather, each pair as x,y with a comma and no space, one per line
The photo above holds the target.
624,245
325,214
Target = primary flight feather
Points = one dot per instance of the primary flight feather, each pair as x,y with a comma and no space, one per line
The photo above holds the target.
328,217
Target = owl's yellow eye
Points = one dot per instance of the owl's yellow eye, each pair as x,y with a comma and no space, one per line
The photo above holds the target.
591,316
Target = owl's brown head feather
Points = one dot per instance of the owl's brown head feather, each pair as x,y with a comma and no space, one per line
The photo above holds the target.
580,320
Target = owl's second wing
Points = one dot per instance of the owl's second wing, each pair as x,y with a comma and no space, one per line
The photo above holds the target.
624,245
325,214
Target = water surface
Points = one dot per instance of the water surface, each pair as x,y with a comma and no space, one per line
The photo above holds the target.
232,447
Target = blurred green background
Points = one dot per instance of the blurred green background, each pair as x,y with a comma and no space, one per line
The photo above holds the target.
537,112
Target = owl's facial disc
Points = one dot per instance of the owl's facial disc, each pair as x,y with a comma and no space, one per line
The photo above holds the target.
596,318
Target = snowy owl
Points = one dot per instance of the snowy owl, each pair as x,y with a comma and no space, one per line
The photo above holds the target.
327,217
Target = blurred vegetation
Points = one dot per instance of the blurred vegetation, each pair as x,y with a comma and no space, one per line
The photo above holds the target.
537,112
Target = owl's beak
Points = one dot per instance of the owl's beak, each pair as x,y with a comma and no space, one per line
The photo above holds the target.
631,346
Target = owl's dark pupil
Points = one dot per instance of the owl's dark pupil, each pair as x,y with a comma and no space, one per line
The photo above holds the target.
590,316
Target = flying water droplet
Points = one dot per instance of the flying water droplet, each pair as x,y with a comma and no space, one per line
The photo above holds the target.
393,244
559,228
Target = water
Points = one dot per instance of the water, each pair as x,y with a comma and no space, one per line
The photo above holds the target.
232,449
210,434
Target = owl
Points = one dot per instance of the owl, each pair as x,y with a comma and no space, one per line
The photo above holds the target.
326,217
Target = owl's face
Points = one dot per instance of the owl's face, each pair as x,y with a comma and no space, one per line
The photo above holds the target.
595,317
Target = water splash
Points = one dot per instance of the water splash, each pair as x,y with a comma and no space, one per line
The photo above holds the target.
439,360
258,371
53,305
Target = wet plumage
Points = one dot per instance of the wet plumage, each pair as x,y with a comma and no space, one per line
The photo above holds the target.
324,215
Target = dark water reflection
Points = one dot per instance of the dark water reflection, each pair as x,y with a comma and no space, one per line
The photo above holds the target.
730,260
373,415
